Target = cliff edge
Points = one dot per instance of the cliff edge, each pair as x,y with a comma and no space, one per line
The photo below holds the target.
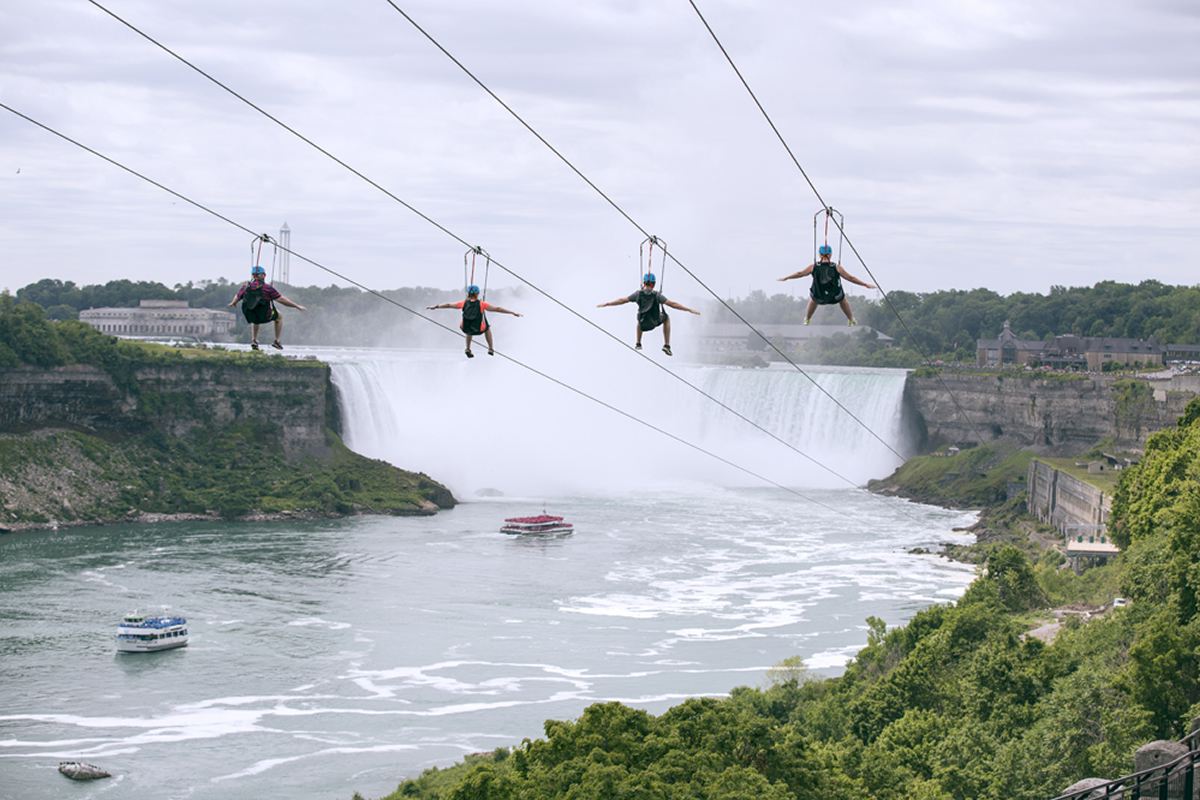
200,435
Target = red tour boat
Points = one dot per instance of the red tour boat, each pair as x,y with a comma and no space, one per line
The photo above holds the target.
541,525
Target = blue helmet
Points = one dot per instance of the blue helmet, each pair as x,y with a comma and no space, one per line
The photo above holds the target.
258,270
826,250
472,289
648,278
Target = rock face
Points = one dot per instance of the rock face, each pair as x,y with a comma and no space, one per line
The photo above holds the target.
1045,415
176,399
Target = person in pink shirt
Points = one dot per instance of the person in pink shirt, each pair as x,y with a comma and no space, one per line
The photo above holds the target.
258,300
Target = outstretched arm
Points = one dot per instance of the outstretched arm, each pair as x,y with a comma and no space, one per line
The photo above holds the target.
286,302
500,310
673,304
842,271
617,302
442,305
806,271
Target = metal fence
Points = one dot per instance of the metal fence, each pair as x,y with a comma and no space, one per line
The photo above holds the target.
1172,781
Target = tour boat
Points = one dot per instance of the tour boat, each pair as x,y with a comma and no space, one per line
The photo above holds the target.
138,633
541,525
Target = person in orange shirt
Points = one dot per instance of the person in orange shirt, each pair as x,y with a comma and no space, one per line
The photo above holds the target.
474,320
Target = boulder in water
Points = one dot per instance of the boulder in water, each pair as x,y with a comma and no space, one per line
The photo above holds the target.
78,771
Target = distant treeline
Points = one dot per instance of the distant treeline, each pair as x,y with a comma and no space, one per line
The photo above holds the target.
947,324
336,316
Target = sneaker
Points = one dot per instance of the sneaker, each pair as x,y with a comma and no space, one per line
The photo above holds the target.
470,354
491,352
806,322
852,323
276,345
637,346
254,344
667,349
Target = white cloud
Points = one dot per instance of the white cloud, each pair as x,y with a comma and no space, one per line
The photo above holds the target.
1008,145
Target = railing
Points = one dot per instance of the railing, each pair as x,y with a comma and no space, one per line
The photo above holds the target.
1173,781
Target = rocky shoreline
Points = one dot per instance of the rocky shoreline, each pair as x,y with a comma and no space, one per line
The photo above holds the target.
427,509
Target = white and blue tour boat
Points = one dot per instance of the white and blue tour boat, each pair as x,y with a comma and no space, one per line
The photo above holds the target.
138,633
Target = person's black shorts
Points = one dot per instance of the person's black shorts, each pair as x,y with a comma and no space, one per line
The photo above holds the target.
650,324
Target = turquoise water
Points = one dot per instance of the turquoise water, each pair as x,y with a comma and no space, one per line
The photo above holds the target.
329,657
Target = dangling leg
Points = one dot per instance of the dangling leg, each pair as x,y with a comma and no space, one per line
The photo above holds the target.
638,346
812,309
667,334
487,334
254,336
278,331
845,306
469,353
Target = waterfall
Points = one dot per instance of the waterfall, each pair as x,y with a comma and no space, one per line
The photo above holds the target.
487,424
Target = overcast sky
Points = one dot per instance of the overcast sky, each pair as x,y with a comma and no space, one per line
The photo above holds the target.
1009,145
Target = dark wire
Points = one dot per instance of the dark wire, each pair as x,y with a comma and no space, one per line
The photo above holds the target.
533,286
633,222
808,180
383,297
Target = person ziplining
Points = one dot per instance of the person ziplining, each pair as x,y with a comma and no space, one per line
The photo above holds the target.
474,319
258,300
650,311
827,274
651,302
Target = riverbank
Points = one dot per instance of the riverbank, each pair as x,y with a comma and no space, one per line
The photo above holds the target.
56,477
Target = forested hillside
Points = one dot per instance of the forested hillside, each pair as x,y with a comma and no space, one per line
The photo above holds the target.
960,703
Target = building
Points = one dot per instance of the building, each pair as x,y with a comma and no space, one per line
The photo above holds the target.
1182,352
1007,350
1067,352
156,319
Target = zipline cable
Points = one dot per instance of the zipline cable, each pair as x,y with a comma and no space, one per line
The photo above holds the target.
812,186
635,224
414,312
673,258
545,294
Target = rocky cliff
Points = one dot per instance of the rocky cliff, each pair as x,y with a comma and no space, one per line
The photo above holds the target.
225,435
177,399
1046,415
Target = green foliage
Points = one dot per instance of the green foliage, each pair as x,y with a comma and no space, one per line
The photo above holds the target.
789,670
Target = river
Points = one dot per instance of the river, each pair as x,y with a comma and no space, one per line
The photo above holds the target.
346,655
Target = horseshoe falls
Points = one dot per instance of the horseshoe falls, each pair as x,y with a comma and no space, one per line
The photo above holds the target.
487,425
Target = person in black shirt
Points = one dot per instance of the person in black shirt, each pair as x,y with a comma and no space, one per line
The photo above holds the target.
827,285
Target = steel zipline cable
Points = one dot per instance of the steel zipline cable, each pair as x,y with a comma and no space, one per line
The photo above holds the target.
634,222
672,256
414,312
812,186
500,265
